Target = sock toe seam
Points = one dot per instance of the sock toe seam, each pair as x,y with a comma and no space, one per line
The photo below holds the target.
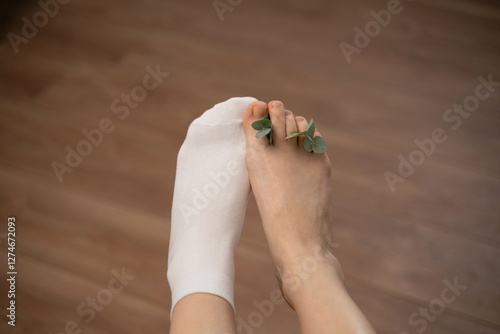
215,124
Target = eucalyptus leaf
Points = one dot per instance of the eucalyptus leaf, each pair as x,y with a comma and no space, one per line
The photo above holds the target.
265,127
311,143
263,133
308,144
295,134
311,123
262,124
311,128
319,145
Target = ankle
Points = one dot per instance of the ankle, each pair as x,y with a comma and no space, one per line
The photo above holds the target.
298,274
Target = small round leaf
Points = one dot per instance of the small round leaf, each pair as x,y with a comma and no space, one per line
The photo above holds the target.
319,145
308,144
263,133
262,124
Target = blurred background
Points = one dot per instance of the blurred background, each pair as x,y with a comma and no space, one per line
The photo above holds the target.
92,232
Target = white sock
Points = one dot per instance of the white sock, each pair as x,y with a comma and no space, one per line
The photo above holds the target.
210,198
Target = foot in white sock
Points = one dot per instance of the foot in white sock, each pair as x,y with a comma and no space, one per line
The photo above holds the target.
210,198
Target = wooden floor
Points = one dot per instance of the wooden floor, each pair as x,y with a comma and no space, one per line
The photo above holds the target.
112,212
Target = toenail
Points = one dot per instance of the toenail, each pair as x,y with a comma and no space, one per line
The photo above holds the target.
300,119
277,104
258,105
288,113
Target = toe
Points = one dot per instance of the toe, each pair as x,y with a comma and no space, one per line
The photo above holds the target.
301,126
277,115
290,127
255,111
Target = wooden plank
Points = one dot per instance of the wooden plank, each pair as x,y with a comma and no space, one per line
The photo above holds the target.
359,172
397,248
410,264
48,297
380,307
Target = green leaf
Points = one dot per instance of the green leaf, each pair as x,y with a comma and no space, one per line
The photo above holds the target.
295,134
263,133
319,145
265,128
270,134
311,124
262,124
311,128
308,144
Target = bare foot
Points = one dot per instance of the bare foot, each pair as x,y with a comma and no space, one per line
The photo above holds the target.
293,192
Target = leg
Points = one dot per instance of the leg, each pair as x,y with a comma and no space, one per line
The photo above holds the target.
293,192
202,313
210,198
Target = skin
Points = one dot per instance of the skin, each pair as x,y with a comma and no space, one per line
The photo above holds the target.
293,192
202,313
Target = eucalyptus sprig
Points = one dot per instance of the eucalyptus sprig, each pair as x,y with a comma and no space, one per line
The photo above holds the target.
265,128
311,143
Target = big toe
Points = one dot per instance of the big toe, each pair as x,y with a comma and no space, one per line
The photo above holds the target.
255,111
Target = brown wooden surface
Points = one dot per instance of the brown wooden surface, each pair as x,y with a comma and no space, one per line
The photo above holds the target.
112,211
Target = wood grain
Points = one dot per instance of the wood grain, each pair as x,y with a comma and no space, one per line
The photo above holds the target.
113,210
